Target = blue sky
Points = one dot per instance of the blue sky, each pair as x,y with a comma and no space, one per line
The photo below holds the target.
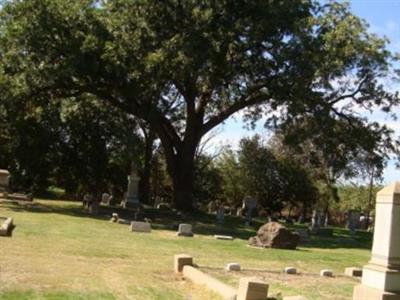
383,17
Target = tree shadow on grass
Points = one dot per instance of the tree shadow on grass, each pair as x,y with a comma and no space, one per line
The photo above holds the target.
203,223
35,207
361,240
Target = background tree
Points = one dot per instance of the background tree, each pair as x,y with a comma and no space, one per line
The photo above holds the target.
232,183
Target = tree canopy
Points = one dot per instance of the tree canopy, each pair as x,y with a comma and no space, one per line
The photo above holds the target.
184,67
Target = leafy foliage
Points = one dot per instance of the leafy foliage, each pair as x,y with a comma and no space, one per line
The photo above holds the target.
184,67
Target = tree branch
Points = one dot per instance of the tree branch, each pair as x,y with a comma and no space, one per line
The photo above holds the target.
222,116
352,95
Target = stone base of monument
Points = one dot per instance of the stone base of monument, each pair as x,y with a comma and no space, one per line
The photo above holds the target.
381,276
362,292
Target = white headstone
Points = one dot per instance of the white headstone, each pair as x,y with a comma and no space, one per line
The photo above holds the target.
381,276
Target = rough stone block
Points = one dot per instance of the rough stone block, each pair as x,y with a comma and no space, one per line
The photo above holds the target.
326,273
290,270
232,267
224,237
140,226
251,288
353,272
181,260
185,230
198,277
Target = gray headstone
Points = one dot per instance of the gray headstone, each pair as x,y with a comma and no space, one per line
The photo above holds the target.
185,230
140,226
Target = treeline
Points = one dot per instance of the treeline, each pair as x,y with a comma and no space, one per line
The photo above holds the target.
90,147
284,179
80,148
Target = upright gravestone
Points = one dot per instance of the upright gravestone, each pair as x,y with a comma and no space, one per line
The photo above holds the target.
249,204
105,198
4,180
315,225
353,221
185,230
132,195
381,276
220,214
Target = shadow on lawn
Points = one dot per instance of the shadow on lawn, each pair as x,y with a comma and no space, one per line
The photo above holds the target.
203,223
35,207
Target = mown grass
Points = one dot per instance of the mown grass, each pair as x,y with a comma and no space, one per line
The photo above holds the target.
59,252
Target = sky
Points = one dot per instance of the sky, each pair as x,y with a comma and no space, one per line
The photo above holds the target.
383,18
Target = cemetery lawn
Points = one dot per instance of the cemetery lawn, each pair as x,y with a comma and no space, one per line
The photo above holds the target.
59,252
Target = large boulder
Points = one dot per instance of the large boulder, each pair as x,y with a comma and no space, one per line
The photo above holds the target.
275,235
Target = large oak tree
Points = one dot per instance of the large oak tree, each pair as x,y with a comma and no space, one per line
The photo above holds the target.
184,67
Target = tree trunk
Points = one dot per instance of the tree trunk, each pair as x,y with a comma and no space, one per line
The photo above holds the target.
183,182
180,157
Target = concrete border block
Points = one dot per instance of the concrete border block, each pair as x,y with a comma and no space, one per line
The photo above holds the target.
353,272
198,277
251,288
181,260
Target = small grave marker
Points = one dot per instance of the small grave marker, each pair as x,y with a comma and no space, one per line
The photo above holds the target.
140,226
251,288
290,270
232,267
181,260
185,230
224,237
326,273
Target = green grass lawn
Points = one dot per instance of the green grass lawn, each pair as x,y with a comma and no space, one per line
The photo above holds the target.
59,252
